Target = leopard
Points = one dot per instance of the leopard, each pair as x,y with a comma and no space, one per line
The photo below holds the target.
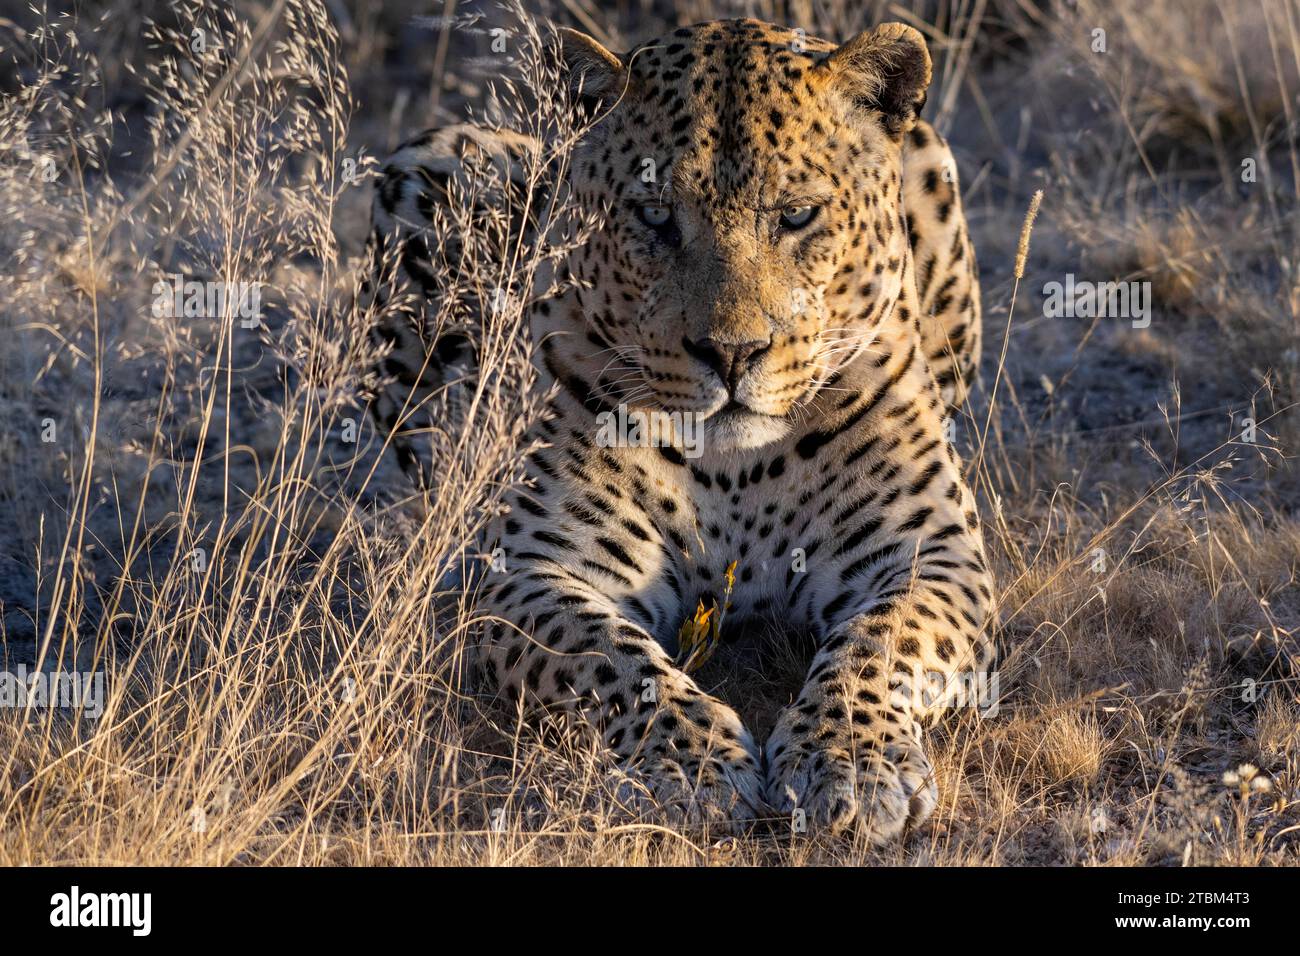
796,282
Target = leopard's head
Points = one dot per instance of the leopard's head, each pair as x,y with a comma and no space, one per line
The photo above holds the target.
754,236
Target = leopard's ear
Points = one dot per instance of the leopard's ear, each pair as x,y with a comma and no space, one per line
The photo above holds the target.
886,69
596,74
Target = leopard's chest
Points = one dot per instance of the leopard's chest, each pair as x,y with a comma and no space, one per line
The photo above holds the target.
752,533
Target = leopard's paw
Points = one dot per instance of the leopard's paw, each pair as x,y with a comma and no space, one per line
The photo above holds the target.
700,764
843,776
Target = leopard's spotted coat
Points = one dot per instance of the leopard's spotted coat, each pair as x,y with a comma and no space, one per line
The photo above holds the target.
822,352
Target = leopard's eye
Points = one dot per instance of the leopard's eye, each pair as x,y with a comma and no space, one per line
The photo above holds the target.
655,216
796,217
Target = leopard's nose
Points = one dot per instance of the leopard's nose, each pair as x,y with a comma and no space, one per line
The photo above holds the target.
730,360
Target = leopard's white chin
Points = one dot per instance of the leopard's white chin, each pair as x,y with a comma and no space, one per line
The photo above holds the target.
736,429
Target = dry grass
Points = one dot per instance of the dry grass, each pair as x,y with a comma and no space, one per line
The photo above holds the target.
285,645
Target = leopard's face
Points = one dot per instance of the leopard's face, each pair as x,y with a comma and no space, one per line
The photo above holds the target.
754,237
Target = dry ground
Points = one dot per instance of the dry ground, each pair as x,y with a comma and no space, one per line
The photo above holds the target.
271,605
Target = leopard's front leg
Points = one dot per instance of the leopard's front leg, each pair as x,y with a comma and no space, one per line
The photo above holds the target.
566,647
849,751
